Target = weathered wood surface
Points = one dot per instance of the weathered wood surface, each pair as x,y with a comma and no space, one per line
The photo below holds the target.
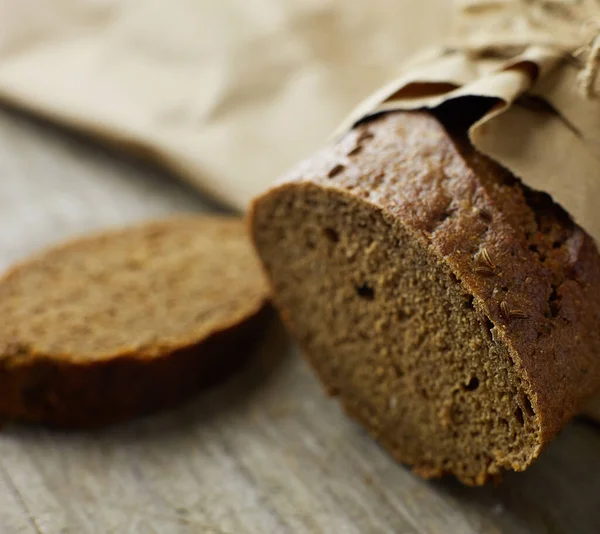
265,453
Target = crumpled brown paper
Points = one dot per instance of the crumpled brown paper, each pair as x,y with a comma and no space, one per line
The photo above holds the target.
540,123
227,94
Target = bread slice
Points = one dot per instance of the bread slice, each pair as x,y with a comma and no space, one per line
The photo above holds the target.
107,327
452,310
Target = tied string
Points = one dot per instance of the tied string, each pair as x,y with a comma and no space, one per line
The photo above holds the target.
590,52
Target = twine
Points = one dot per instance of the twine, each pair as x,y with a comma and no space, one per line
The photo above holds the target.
588,75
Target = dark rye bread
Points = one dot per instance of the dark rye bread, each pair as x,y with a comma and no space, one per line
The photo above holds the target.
452,310
111,326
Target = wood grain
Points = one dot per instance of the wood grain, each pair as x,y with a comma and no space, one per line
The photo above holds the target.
265,453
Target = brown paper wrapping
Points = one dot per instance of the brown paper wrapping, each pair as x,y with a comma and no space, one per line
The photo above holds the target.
540,126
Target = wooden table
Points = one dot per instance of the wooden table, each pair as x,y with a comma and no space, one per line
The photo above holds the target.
265,453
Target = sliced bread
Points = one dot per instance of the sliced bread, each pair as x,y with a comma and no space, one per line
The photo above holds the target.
114,325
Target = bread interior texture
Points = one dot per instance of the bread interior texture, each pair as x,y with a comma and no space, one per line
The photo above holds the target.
391,332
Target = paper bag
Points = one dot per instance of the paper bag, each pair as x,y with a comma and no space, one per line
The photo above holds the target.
539,122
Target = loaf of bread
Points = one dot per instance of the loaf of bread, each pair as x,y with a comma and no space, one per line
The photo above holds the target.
452,310
119,324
